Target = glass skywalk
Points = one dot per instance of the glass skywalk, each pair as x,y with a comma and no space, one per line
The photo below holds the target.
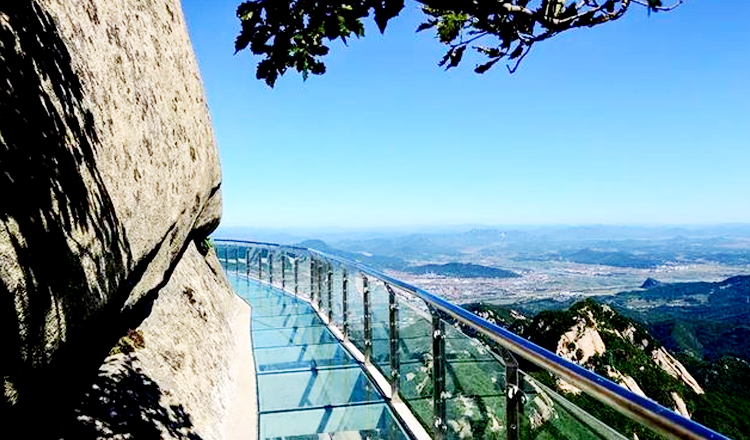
445,372
309,386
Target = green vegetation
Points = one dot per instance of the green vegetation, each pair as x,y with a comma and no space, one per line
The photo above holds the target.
461,270
725,406
129,343
727,398
295,34
205,245
703,320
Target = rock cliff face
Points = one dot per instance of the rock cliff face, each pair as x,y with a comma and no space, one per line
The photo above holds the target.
108,174
598,338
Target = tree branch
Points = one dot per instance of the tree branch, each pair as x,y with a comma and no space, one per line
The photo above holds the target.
659,8
518,61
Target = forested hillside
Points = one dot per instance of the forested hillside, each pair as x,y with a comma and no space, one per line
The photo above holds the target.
624,350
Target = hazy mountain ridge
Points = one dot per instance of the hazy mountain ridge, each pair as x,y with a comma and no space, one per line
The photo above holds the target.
376,261
627,247
452,269
462,270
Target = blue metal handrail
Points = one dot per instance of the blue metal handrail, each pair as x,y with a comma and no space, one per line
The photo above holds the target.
636,407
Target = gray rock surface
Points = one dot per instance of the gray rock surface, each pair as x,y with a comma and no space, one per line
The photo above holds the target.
170,378
108,171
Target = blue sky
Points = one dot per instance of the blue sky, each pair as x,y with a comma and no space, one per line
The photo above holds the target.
642,121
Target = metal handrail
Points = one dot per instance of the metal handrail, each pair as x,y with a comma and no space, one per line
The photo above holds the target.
641,409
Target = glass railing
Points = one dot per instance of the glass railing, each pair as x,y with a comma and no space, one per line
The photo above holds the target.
444,383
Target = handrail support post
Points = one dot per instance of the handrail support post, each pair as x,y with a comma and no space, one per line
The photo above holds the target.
296,276
438,375
512,396
345,303
270,268
394,341
368,323
329,286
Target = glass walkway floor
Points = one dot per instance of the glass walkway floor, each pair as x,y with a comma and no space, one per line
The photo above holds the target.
309,386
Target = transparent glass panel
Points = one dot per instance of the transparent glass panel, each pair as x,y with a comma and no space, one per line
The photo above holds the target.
291,282
241,261
356,315
474,388
251,268
546,414
325,297
415,358
284,271
219,250
292,336
278,274
255,293
371,421
243,258
302,357
226,255
314,388
303,275
380,324
286,320
338,296
276,258
272,267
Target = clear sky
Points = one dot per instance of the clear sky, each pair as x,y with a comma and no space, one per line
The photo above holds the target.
641,121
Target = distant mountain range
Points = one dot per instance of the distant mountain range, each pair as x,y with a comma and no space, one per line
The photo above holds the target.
376,261
615,246
627,247
461,270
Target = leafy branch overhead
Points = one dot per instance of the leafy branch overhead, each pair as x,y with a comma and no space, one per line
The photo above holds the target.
294,34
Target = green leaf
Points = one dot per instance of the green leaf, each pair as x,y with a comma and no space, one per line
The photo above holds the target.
385,10
517,52
456,56
654,4
486,66
491,52
426,25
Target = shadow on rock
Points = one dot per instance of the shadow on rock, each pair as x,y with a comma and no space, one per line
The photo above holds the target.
63,249
124,402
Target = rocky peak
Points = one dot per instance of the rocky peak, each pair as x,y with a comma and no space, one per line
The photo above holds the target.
599,338
650,283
